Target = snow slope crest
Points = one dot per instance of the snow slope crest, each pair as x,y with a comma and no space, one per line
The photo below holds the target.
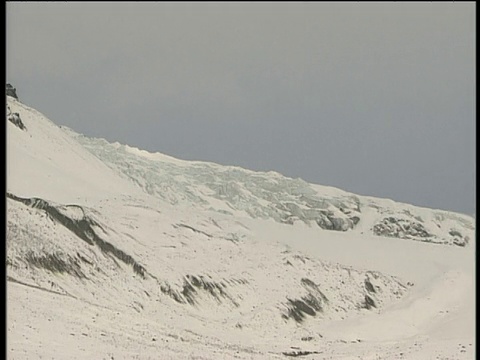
45,161
240,192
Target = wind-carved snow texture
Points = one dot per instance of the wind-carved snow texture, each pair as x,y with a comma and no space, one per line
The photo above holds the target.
154,257
301,296
46,239
192,285
82,226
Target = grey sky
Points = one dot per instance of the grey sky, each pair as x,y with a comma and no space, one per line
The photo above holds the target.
374,98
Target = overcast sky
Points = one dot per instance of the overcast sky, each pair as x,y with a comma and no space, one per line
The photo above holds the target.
373,98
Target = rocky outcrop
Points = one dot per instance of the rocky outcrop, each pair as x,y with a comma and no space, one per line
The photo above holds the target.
328,221
401,228
11,91
83,228
193,286
458,238
310,304
15,119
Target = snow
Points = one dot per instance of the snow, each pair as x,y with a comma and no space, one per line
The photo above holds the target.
46,162
225,253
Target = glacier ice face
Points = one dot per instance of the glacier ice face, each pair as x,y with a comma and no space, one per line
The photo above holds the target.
269,195
228,189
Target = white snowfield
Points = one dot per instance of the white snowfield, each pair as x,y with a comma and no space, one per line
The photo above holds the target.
117,253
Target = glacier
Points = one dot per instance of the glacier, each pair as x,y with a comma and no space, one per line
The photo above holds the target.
115,252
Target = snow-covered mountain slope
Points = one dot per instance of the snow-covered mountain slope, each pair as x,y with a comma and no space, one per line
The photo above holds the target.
239,192
44,161
113,252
